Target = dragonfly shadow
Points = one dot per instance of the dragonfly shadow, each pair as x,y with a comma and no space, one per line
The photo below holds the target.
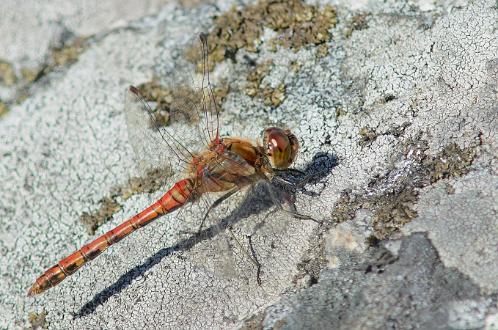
255,202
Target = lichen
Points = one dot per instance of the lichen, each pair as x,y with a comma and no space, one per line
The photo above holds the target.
69,52
3,109
367,135
37,320
180,103
257,89
109,205
61,56
357,22
296,24
392,198
7,73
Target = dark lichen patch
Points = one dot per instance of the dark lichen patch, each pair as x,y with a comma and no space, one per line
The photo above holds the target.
392,211
92,221
180,103
255,77
451,162
7,73
296,24
256,88
37,320
367,135
109,205
358,22
29,75
391,198
162,97
322,50
273,96
301,24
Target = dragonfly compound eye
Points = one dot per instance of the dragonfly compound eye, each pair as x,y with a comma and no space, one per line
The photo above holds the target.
282,146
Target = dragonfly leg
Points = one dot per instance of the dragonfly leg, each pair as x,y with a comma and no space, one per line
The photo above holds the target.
292,212
215,204
300,184
251,256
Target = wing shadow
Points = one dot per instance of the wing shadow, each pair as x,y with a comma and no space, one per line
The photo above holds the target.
255,202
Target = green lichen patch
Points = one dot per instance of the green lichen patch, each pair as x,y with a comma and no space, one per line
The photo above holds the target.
367,135
60,56
391,198
255,87
109,205
69,52
7,73
181,103
37,320
296,23
3,109
255,77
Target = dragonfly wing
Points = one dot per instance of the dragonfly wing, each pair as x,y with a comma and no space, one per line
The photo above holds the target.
183,115
150,143
227,171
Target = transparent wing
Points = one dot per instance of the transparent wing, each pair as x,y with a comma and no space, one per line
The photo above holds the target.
154,145
176,114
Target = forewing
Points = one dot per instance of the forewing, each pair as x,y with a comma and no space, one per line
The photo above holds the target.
152,144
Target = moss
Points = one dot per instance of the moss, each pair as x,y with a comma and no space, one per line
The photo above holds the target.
65,55
393,207
109,205
29,75
92,221
255,77
180,103
256,88
392,211
451,162
7,73
3,109
152,91
37,320
296,23
69,53
358,22
367,135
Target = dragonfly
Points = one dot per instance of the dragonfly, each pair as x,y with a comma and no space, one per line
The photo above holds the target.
226,165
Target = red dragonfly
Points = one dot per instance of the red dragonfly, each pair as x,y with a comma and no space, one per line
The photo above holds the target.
227,164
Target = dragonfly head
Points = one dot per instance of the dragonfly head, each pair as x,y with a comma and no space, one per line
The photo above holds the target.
281,146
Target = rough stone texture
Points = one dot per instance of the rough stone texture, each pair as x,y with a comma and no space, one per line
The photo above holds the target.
413,290
395,74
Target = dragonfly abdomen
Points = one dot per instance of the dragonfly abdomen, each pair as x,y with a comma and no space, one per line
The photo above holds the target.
178,195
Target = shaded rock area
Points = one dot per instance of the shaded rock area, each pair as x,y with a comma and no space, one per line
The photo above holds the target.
394,103
379,290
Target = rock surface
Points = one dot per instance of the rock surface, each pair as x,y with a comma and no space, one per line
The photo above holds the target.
396,110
